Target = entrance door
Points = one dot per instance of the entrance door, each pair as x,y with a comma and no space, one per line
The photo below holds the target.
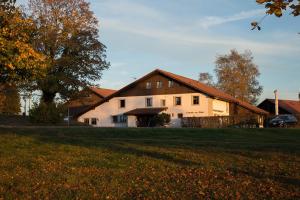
145,121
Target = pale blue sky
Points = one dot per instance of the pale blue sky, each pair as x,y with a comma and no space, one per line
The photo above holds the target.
184,37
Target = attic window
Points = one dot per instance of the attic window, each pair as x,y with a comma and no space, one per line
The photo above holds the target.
171,83
148,85
159,84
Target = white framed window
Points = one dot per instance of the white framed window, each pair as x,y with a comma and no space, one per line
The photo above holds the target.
171,84
86,120
159,84
94,121
177,101
122,103
195,100
149,102
162,102
119,119
148,85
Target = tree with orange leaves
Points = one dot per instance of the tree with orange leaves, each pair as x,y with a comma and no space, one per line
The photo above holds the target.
277,7
19,62
68,35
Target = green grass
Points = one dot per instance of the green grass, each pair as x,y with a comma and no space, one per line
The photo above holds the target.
87,163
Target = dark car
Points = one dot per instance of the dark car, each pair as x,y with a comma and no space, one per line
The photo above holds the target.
283,121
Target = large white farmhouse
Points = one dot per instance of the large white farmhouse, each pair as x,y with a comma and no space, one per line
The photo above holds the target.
161,91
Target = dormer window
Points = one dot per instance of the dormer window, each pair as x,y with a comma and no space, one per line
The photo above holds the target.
171,83
148,85
159,84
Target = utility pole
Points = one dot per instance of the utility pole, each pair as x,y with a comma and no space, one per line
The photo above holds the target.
276,103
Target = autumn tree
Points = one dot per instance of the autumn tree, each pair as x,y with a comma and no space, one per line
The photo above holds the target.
237,75
206,78
67,34
19,62
277,8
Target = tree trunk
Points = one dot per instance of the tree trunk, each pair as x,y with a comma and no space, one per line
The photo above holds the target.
48,97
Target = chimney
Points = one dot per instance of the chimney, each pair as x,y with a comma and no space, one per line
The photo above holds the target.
299,96
276,102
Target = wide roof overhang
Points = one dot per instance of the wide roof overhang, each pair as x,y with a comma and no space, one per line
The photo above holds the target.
145,111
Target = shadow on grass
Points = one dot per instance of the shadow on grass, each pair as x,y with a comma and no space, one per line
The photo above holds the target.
281,179
231,141
127,141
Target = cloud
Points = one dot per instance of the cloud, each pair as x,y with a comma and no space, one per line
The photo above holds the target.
195,40
209,21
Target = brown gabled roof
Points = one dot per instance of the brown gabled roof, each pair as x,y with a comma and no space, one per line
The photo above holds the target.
210,91
103,92
290,106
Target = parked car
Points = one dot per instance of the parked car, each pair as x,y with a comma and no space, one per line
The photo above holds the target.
283,121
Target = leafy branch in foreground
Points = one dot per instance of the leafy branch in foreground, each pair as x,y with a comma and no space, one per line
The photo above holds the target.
277,7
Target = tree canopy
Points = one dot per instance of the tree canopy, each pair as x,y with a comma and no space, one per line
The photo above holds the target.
19,62
206,78
67,34
236,75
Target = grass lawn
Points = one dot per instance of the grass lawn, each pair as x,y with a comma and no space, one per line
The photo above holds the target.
88,163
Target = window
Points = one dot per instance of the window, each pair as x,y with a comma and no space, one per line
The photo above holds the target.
171,83
162,102
148,102
159,84
148,85
180,115
177,101
86,120
195,100
122,103
94,121
119,119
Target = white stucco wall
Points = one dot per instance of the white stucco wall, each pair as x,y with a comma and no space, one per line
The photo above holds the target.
220,108
105,111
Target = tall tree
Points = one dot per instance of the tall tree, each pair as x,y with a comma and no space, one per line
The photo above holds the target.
67,33
237,75
206,78
19,62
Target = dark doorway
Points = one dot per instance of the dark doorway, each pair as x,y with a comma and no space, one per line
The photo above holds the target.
145,121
